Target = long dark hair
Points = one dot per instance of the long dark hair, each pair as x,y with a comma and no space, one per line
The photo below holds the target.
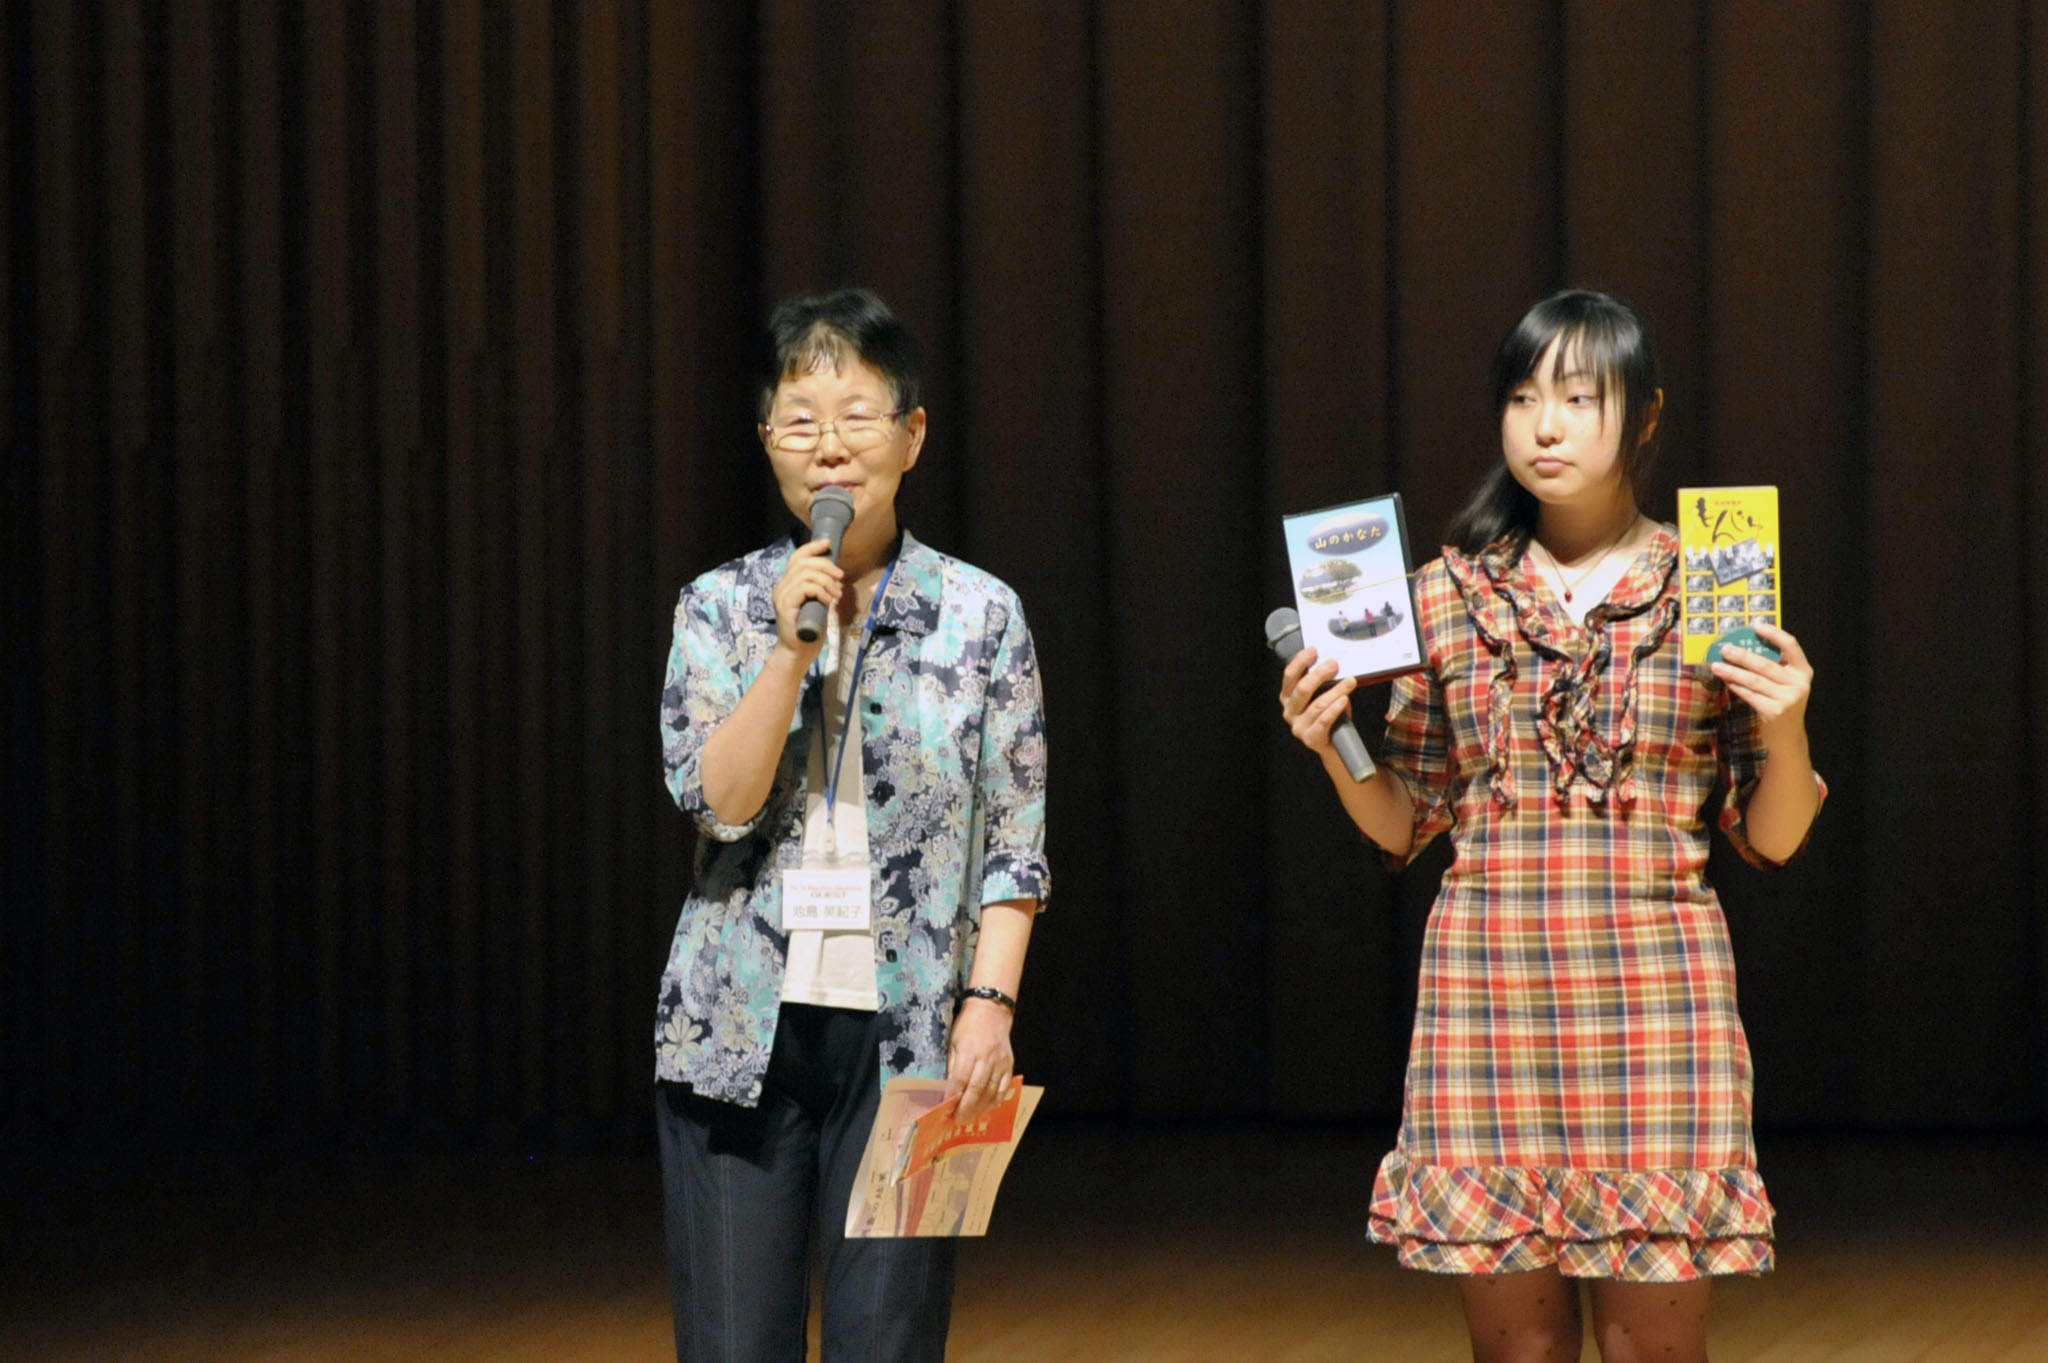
1601,335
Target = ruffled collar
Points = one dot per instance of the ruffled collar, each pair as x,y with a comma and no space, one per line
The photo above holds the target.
1505,599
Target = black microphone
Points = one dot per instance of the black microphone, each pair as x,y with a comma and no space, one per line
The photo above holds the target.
1283,636
831,513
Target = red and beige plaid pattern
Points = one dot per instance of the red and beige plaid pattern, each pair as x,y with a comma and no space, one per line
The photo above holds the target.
1578,1084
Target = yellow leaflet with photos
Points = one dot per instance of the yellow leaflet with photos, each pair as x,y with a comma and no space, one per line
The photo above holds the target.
1730,571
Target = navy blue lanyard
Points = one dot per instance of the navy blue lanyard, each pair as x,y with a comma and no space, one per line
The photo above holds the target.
851,717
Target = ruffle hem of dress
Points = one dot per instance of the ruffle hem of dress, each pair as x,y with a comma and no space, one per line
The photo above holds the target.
1672,1225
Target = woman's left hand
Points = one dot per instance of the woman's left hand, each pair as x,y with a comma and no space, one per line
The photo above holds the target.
1777,691
978,1058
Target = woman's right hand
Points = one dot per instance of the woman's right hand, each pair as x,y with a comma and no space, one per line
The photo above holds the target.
740,758
810,576
1307,707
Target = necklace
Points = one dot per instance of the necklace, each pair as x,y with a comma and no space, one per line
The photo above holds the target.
1558,568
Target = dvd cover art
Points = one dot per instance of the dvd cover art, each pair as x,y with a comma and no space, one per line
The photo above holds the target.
1350,568
1728,553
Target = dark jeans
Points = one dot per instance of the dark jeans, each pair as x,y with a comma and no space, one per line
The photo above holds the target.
742,1187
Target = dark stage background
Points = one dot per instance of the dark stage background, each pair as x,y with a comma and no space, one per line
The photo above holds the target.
375,378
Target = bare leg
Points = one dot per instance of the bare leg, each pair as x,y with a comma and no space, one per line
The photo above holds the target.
1522,1317
1651,1322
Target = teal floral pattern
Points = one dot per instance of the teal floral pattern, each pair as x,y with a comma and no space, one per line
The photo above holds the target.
953,764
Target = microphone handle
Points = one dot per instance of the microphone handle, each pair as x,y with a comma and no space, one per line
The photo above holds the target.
1350,746
810,621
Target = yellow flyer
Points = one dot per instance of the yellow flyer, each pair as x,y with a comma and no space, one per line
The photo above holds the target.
1728,540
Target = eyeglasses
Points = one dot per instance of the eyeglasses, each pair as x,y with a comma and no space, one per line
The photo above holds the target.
857,431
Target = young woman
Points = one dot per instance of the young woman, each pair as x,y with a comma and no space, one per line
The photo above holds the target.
1578,1095
900,755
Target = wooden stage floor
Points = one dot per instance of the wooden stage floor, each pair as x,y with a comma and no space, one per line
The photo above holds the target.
1156,1244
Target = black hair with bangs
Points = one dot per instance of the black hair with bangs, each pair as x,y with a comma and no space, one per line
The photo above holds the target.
822,331
1602,336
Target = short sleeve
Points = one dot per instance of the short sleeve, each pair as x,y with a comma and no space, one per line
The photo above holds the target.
1011,767
702,687
1739,743
1417,742
1417,747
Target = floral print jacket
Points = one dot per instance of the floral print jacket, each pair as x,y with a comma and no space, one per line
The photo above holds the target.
953,764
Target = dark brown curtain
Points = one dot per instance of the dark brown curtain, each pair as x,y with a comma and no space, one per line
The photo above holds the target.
376,376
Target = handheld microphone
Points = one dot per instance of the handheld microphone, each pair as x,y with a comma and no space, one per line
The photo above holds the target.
831,513
1283,636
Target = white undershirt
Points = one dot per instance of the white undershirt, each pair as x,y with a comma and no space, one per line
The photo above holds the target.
835,969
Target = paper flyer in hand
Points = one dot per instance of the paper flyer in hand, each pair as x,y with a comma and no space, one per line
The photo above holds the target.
1350,567
1728,554
925,1172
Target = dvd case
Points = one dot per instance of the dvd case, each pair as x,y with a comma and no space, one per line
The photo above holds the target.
1353,586
1729,559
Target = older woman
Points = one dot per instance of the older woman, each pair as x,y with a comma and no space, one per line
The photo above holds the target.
782,1009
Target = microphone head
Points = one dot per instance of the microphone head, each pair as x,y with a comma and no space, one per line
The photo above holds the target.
1283,632
831,513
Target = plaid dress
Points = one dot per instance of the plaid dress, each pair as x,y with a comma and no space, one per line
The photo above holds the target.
1578,1088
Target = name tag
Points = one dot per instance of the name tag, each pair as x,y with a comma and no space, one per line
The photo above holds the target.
829,899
